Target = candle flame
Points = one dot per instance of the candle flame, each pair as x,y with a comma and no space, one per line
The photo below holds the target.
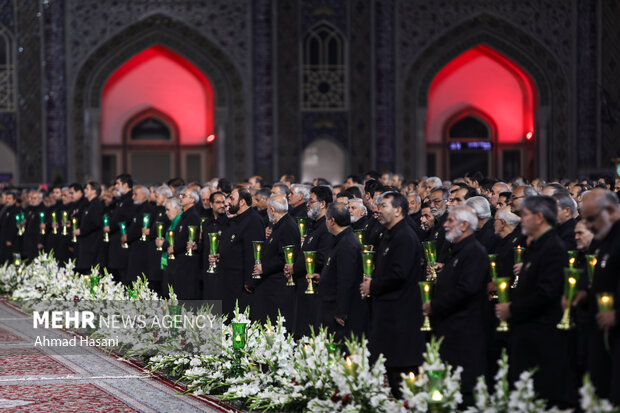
593,262
437,396
427,288
605,299
309,259
368,261
571,261
411,376
349,362
237,337
572,281
503,285
493,264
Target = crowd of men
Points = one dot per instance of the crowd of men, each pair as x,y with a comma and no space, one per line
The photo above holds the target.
163,232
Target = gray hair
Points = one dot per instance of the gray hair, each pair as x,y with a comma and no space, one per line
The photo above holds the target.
164,190
284,187
193,193
302,189
173,202
361,202
505,186
278,202
480,205
205,189
529,191
417,196
565,201
435,181
143,189
463,213
544,205
506,215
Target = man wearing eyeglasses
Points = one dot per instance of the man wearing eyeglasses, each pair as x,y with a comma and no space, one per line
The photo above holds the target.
600,212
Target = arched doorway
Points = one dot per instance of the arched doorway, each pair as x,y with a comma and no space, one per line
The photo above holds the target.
481,117
157,119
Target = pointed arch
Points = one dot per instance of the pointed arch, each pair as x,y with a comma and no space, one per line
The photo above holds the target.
231,128
517,45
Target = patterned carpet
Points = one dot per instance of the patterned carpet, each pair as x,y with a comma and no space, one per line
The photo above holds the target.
32,380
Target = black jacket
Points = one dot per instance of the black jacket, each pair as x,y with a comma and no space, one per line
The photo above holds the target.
457,309
32,233
396,306
487,237
339,286
123,212
566,232
90,240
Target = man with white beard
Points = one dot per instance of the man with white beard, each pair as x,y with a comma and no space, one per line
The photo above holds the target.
358,213
459,299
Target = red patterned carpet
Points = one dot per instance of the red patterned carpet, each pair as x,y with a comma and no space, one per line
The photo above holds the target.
61,398
33,380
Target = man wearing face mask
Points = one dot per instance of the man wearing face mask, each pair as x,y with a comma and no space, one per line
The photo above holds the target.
138,249
317,239
273,295
459,300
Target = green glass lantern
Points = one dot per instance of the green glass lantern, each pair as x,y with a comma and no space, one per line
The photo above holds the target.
214,244
571,278
106,223
310,259
572,258
435,395
503,285
289,251
493,266
302,225
146,222
368,259
258,248
605,302
123,226
360,235
430,253
171,242
54,223
159,227
592,260
425,290
42,221
192,229
238,337
74,227
64,221
94,281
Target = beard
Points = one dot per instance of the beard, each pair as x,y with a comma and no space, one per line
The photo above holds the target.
272,219
354,219
233,208
314,212
438,212
453,235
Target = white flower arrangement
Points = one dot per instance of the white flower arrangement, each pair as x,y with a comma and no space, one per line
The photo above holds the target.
521,399
590,402
272,371
437,386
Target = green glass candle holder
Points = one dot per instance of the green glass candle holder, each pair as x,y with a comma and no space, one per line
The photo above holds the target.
258,249
571,277
368,260
572,258
191,230
360,235
94,281
302,225
503,285
42,221
238,335
214,244
54,223
123,227
430,253
493,266
74,227
146,222
171,242
426,288
289,259
367,248
106,223
64,220
518,254
159,227
310,259
435,394
605,302
592,260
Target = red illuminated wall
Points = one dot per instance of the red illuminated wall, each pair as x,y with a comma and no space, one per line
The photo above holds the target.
159,78
487,81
